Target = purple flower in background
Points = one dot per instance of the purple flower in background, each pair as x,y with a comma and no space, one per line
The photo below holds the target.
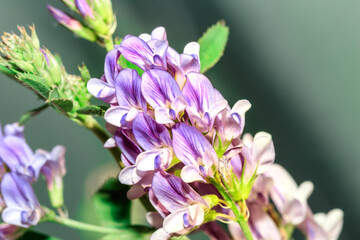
104,88
129,98
257,155
321,226
22,207
64,19
18,156
54,170
195,151
163,94
10,232
289,199
186,207
146,54
203,102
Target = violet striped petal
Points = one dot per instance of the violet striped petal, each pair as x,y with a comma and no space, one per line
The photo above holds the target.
150,134
128,89
102,90
84,8
190,146
159,88
127,146
111,66
22,207
137,51
173,193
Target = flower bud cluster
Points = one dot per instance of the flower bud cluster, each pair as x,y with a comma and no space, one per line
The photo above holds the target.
20,168
97,23
182,145
22,57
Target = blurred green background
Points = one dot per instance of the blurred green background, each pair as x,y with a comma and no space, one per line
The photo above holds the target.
296,61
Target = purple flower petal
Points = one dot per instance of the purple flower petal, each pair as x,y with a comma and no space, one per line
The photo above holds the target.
190,145
128,89
127,146
101,90
159,88
137,51
173,193
111,66
84,8
150,134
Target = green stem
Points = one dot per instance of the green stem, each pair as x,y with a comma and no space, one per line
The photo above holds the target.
109,43
239,217
91,124
83,226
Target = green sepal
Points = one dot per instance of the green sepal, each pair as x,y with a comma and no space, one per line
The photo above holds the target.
93,110
112,205
211,199
210,216
63,104
56,196
212,45
126,64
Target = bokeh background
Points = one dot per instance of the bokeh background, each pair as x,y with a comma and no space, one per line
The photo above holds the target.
298,62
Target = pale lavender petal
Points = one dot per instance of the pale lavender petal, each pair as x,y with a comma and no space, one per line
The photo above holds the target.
199,92
238,112
125,176
37,162
111,66
159,88
159,33
63,18
137,51
189,64
160,234
263,151
164,115
14,130
175,221
191,173
157,204
150,134
262,223
193,49
116,115
110,143
190,144
128,89
101,90
154,159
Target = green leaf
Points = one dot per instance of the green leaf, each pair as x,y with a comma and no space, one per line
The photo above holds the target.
63,104
84,72
36,83
212,45
112,205
126,64
32,235
93,110
6,70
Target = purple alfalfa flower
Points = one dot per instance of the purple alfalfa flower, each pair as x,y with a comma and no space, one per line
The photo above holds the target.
289,198
54,170
262,226
10,232
194,151
155,139
22,206
104,88
18,156
129,99
230,123
204,102
84,8
163,94
186,207
321,226
64,19
146,54
179,65
257,155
